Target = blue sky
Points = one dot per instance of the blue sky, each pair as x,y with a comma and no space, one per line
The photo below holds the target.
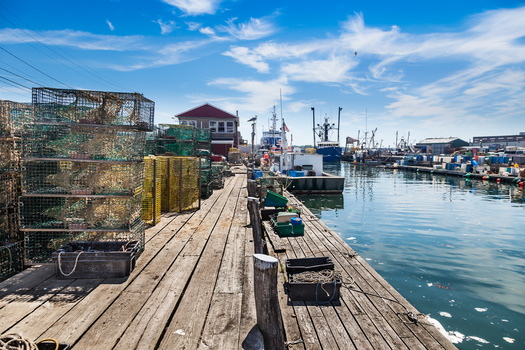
434,69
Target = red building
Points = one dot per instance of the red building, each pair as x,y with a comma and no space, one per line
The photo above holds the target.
224,126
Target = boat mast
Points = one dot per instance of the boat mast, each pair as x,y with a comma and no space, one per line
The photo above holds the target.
313,112
338,123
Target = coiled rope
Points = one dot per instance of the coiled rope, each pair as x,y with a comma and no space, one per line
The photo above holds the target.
15,341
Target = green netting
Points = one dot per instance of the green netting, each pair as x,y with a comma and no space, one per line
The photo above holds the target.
93,107
72,213
11,260
183,149
81,178
177,132
39,246
82,142
203,135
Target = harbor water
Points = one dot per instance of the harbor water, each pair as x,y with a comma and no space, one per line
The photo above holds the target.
454,248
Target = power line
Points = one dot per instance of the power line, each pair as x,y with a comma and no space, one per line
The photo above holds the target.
31,81
14,82
101,78
38,70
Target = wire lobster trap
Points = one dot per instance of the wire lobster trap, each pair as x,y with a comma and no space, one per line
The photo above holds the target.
9,189
179,148
50,213
176,132
151,197
93,107
184,183
39,246
11,259
13,115
84,142
203,135
9,224
9,154
81,178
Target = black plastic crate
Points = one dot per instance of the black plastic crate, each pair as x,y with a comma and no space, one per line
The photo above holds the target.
319,292
309,264
96,259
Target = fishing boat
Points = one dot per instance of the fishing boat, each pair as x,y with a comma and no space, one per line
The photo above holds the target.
330,150
271,139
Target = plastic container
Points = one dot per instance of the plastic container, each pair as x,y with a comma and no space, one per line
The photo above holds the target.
296,221
276,198
286,216
286,229
96,259
320,292
309,264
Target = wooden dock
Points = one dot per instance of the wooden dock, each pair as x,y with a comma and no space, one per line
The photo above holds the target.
192,288
370,314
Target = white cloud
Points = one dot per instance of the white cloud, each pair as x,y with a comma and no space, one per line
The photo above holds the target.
255,28
78,39
195,7
332,70
166,28
258,95
248,57
110,25
207,31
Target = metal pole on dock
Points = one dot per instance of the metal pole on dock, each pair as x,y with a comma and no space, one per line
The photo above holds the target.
269,319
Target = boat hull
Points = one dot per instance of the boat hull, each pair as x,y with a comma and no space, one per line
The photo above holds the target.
330,154
326,184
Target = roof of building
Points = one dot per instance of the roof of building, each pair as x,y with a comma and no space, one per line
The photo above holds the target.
207,111
439,140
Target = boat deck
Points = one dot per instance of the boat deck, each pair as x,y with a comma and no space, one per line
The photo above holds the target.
192,288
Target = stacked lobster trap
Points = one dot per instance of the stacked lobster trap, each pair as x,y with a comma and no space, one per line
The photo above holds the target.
171,184
83,169
12,117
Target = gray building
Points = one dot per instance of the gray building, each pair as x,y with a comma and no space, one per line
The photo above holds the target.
445,145
499,142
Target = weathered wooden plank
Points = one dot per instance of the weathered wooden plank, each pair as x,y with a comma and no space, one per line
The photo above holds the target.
24,281
22,304
222,327
36,323
248,315
190,242
190,316
222,322
275,240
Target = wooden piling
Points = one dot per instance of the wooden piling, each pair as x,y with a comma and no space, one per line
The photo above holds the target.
255,223
269,318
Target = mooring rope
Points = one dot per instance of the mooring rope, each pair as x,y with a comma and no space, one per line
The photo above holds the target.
74,267
15,341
